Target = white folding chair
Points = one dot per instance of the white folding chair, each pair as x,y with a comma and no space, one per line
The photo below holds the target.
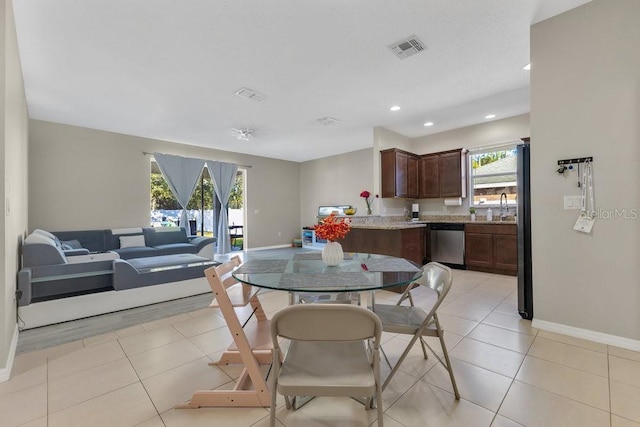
415,321
334,351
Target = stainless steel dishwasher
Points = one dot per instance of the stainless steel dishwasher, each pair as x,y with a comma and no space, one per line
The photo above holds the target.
447,244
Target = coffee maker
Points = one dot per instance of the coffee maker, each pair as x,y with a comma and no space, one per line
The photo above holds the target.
415,212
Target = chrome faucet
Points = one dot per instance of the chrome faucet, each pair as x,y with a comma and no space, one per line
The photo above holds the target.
503,213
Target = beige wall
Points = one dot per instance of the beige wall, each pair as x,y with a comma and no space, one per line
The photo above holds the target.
585,86
335,180
87,179
484,134
13,179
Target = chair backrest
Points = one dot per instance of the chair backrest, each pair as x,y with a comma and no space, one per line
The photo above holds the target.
325,322
437,277
222,272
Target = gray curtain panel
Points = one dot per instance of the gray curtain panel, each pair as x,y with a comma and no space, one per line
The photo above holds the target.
181,173
223,176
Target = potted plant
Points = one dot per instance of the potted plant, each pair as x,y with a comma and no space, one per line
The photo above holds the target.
472,211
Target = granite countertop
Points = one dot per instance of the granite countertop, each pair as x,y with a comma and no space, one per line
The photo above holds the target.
468,221
397,223
391,225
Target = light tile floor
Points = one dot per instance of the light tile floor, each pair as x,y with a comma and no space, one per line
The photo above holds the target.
508,373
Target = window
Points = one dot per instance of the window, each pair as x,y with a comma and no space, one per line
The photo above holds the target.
203,209
493,172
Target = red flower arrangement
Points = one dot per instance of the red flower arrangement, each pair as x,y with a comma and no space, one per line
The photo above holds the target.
333,228
368,198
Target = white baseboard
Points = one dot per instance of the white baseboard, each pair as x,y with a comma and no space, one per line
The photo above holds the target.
5,373
587,334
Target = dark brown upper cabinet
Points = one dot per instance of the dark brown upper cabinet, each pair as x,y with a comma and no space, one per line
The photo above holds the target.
430,176
452,171
399,170
429,184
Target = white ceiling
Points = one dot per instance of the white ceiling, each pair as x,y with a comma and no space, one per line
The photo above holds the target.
168,69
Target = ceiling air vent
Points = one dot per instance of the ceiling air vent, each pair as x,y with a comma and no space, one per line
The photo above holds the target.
327,121
244,92
407,47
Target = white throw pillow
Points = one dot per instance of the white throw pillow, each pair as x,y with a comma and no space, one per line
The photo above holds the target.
132,241
56,241
44,233
40,238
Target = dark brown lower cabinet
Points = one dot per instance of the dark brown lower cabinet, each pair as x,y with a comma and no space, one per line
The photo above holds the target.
492,248
406,243
478,250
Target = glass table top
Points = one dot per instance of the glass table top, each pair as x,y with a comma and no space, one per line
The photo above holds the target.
306,272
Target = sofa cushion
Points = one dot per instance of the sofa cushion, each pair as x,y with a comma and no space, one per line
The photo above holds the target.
165,236
137,252
132,241
176,248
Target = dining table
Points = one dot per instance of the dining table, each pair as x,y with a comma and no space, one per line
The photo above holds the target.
306,272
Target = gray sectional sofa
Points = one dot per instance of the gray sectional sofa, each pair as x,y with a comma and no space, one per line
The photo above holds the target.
67,266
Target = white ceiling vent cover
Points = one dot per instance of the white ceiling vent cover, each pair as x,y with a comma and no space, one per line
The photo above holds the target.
327,121
407,47
247,93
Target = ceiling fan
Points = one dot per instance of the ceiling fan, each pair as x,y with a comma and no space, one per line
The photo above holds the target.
243,134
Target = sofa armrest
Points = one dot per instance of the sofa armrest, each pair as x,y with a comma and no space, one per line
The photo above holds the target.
23,292
201,241
36,254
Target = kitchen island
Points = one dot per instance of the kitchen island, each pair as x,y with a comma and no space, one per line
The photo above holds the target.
395,239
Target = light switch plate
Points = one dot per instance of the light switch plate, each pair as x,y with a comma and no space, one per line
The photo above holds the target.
572,202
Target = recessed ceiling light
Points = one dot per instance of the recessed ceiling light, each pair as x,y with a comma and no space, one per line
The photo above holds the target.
428,124
527,67
490,116
395,108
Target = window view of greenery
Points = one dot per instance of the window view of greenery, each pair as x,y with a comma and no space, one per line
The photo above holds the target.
203,208
494,173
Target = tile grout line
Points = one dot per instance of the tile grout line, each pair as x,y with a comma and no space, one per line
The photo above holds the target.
513,380
140,380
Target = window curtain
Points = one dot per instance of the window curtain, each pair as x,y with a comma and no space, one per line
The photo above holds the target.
223,176
181,173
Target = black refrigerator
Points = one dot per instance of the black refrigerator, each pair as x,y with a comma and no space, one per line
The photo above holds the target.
525,289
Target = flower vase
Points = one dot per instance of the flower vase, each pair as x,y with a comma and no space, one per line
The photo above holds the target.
368,210
473,217
332,254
